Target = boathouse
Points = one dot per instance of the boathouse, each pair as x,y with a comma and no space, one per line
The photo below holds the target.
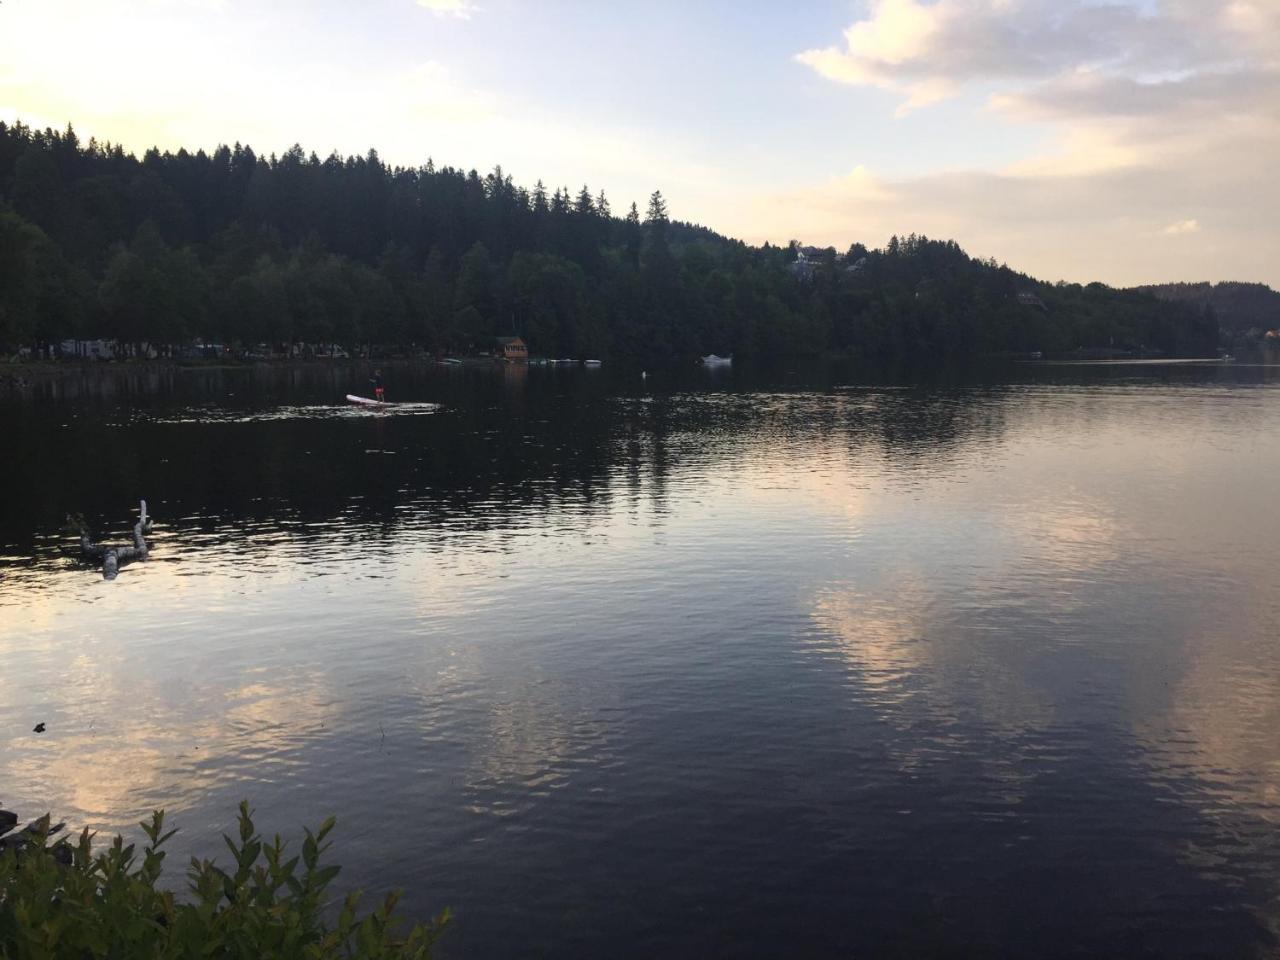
512,349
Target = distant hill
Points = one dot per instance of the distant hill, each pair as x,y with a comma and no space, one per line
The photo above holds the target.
174,249
1238,306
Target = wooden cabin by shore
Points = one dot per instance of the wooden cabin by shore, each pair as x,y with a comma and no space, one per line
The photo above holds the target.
512,349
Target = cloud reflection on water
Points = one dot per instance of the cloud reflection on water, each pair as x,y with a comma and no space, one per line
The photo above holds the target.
1038,615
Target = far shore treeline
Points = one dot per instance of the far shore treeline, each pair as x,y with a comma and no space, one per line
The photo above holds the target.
231,247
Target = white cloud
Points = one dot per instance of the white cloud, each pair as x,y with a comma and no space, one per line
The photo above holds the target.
1141,113
860,183
458,9
1078,227
1078,151
930,50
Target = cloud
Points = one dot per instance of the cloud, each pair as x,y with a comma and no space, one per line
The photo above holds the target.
1086,94
1141,112
877,49
458,9
861,184
929,51
1054,223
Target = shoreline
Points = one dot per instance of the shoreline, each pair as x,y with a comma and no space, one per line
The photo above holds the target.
22,373
46,368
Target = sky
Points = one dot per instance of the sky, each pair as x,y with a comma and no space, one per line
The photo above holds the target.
1127,141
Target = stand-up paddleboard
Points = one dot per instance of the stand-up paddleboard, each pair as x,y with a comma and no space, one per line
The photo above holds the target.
351,398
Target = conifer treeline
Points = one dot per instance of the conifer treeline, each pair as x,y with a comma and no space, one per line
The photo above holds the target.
1239,307
234,247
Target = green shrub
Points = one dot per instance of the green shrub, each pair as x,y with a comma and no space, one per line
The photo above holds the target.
60,900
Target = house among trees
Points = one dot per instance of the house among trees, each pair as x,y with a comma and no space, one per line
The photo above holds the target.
512,349
1030,299
809,259
802,267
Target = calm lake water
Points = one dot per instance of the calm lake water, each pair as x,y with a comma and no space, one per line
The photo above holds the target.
686,667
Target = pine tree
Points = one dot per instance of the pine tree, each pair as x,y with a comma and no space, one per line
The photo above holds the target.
656,223
631,232
604,221
657,215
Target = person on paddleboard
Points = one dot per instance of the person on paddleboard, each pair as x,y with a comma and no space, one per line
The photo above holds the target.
376,380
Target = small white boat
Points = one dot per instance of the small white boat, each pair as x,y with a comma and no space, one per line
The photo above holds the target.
352,398
711,360
591,363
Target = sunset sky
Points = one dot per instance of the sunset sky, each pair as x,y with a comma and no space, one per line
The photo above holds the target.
1127,142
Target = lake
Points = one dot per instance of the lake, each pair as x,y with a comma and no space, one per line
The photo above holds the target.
698,665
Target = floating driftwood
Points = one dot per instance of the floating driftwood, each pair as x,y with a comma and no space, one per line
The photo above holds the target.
113,558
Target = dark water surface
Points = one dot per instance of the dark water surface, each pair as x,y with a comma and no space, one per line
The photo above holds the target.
685,668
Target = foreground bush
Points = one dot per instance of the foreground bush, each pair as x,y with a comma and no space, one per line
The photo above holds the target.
63,900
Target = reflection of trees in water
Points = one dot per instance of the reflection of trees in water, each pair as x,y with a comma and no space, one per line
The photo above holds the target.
84,440
504,451
919,423
508,449
902,423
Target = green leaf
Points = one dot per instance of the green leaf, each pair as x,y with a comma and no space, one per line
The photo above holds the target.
96,907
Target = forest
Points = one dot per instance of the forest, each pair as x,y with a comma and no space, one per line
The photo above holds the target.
1241,308
231,247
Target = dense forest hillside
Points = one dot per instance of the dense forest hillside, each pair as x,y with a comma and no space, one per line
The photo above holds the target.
1240,307
236,248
